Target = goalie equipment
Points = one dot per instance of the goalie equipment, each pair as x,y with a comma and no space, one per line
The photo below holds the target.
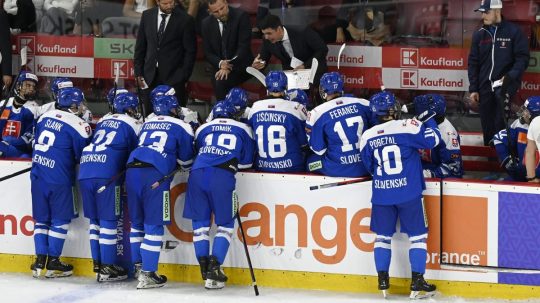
38,265
150,279
57,268
215,277
111,272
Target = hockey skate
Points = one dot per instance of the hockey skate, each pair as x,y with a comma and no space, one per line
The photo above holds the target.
384,282
38,265
203,263
96,266
111,272
420,289
215,277
150,279
137,267
57,268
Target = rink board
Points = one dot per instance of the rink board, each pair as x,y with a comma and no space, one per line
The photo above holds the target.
320,239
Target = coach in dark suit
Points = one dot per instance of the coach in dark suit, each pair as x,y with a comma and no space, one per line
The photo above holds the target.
287,43
165,49
226,35
5,50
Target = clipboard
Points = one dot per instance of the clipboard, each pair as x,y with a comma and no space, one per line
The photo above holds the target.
298,78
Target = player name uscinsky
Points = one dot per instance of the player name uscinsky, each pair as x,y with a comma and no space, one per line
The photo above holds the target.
57,126
271,117
153,126
342,111
386,140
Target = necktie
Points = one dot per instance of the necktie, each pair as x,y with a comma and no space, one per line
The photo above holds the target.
161,27
283,51
224,40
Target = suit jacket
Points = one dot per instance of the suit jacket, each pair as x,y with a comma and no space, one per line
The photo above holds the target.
237,40
306,45
5,45
176,52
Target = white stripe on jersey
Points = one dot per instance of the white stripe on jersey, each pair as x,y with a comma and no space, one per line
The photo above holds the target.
132,122
391,128
279,105
320,110
225,121
173,120
69,119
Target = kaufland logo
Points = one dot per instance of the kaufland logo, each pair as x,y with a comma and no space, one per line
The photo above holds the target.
409,78
121,66
409,57
29,42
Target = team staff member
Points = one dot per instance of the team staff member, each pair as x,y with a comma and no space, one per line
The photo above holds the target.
498,58
165,49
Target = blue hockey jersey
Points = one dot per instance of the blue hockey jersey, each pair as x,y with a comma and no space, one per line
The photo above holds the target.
224,140
334,129
60,139
390,153
444,160
279,127
163,141
518,138
17,125
114,138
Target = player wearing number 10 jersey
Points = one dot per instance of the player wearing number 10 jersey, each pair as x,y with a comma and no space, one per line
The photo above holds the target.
334,129
279,126
390,153
223,145
101,164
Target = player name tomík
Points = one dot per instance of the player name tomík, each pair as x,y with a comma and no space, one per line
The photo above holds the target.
57,126
157,126
94,158
44,161
221,128
382,141
271,117
342,111
275,164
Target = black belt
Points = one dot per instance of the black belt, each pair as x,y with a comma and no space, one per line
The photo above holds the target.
138,164
231,165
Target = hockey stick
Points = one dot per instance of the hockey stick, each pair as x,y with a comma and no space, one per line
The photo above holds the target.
257,74
313,70
158,182
504,100
15,174
340,183
114,178
115,85
139,95
486,269
341,49
253,281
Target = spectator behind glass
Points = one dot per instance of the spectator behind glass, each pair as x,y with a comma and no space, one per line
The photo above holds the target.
196,9
327,26
134,8
266,5
21,15
366,24
88,19
58,17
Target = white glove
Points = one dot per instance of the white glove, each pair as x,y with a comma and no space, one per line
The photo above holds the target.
427,173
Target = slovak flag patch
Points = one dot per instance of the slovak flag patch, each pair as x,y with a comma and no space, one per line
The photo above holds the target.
12,129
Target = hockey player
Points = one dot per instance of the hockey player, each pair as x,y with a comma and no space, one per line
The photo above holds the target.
224,146
279,126
444,160
185,114
390,153
60,138
239,98
16,120
113,92
102,162
511,155
57,85
298,95
164,141
334,129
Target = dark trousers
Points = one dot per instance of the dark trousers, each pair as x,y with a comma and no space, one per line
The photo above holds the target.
491,115
222,87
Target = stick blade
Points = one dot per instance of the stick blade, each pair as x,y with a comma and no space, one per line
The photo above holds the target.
341,49
257,74
313,71
24,55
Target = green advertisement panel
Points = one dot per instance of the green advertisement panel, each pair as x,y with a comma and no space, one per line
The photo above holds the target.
114,48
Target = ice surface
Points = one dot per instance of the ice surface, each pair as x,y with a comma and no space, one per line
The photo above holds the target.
22,288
